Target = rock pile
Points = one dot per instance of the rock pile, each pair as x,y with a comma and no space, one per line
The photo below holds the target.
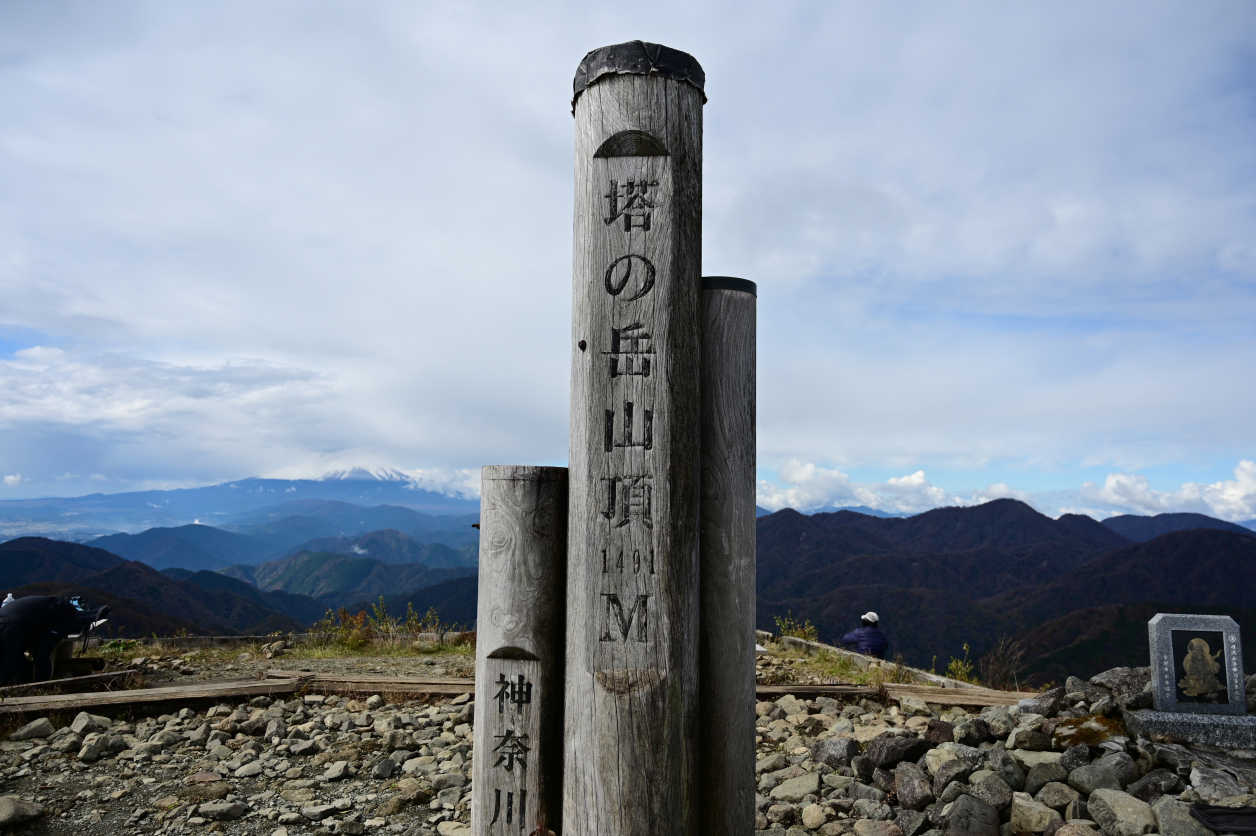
316,763
1059,764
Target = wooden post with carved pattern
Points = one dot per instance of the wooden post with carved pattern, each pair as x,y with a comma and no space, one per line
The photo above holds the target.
517,765
726,729
632,579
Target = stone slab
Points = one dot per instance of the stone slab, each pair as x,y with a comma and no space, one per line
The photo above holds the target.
1221,730
1196,664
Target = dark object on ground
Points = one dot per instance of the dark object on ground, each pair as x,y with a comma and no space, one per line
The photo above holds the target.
1225,819
36,624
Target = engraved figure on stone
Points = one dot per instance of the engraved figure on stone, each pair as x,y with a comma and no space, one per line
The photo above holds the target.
1201,669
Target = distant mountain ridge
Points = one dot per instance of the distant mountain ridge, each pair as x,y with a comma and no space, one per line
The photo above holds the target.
98,514
1140,529
336,580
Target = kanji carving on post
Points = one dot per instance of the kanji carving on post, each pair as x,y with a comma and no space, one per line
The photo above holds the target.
513,749
645,441
624,269
635,207
635,497
631,340
517,693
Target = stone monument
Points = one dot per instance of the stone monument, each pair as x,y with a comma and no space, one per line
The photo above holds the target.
1197,683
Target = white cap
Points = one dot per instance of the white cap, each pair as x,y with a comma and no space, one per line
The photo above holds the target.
871,616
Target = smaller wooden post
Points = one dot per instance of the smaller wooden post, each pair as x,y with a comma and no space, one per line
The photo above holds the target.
726,733
517,769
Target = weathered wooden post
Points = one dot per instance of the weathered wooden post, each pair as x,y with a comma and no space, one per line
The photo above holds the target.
632,582
726,728
519,649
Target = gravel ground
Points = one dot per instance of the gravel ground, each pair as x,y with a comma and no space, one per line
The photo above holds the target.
312,764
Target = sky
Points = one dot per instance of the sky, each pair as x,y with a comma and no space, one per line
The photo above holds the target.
1003,250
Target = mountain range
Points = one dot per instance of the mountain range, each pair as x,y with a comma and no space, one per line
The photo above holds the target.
1074,592
956,576
85,517
407,536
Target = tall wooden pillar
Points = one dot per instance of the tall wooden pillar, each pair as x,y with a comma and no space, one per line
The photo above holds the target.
726,782
632,588
517,769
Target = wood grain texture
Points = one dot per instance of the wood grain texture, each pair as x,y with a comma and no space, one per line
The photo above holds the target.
726,732
632,591
517,765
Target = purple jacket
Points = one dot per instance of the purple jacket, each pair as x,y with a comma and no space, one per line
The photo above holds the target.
870,641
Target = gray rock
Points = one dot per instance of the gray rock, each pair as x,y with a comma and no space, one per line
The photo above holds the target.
1043,774
1029,815
833,753
1075,756
1030,740
952,792
84,724
886,752
1154,784
337,771
1057,796
249,770
795,788
993,790
972,732
1087,779
1213,784
858,790
1076,809
1123,682
1079,690
1121,765
301,748
883,780
774,762
384,769
14,811
1119,814
998,721
1045,703
912,822
863,767
317,812
1173,818
814,816
222,810
166,739
35,728
912,786
866,827
1076,829
456,779
950,771
95,745
1002,764
971,816
865,808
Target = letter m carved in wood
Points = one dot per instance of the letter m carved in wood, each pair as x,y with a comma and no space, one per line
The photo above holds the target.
615,617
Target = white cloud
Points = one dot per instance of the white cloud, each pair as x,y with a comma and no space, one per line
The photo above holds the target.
14,480
1039,266
807,487
1230,499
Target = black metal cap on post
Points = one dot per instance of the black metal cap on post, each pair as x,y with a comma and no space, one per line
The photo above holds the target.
730,283
637,58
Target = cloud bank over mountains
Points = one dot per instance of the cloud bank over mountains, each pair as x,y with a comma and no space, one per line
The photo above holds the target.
1002,245
809,488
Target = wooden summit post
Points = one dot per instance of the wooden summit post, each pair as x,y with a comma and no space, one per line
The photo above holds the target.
518,653
632,582
726,731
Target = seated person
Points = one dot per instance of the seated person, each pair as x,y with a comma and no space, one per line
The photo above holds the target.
868,639
36,624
